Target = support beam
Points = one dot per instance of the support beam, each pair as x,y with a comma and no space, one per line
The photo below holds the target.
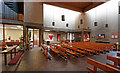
24,37
59,4
33,38
40,37
94,4
27,40
3,32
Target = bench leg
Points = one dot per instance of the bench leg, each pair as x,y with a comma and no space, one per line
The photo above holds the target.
11,54
15,51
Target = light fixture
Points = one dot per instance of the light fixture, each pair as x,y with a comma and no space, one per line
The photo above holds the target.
47,30
19,26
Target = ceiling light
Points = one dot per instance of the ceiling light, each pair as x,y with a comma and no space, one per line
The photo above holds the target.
19,26
47,30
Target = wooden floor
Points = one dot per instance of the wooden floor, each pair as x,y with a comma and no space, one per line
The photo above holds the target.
34,60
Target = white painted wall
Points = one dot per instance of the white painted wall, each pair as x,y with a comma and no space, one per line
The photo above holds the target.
0,8
46,36
105,11
119,25
33,12
53,13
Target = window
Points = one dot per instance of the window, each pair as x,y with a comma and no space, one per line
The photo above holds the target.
78,26
67,25
81,21
63,17
95,23
119,9
106,25
53,23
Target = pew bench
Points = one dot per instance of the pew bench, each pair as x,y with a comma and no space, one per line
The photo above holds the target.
59,51
101,66
115,60
45,50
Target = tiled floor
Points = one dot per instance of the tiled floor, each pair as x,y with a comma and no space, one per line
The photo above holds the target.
34,60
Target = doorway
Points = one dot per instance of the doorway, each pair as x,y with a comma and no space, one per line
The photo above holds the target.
33,38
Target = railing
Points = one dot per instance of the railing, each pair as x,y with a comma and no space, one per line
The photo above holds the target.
8,13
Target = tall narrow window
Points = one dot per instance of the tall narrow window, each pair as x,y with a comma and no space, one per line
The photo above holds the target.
81,21
67,25
106,25
119,9
95,23
78,26
53,23
63,17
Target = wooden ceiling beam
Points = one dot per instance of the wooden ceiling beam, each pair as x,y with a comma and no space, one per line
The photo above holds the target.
93,5
59,4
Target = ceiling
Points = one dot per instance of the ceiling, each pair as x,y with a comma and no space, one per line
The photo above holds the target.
76,6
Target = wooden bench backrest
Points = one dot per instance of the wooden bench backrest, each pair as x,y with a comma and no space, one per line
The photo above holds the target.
45,50
101,66
115,60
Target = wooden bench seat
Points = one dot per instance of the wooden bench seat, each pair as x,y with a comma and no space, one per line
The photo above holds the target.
91,52
59,50
115,60
54,50
101,66
73,54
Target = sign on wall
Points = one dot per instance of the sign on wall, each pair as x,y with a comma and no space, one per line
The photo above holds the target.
51,37
58,37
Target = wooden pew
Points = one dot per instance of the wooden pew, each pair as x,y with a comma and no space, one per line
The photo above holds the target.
59,50
72,54
91,52
45,50
81,53
95,46
101,66
115,60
